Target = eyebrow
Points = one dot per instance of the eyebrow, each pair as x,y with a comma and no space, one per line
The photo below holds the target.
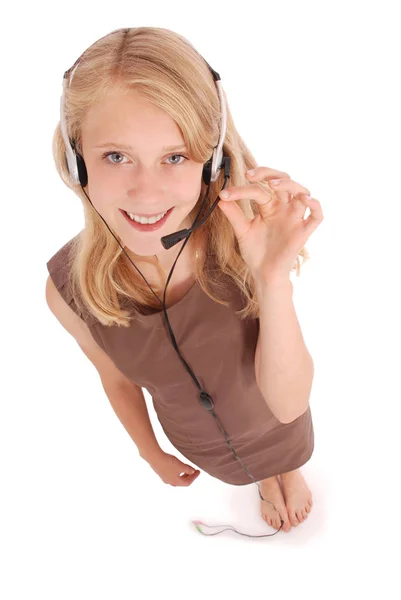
125,147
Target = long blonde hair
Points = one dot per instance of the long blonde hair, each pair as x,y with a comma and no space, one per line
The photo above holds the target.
167,70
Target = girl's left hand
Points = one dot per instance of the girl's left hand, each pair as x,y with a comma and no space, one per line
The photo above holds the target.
271,242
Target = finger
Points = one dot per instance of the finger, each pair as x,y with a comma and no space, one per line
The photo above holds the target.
188,479
264,173
187,475
261,191
258,191
316,214
288,185
235,215
195,476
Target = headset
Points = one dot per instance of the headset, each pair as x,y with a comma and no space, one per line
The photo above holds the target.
77,170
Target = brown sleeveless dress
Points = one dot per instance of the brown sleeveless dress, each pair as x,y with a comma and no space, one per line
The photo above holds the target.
220,348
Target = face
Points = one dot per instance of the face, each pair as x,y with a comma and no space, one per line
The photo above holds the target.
129,169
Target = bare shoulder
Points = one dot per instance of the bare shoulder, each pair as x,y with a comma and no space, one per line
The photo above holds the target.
65,315
78,329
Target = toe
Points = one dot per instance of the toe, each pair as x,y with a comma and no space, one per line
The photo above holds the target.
286,526
293,519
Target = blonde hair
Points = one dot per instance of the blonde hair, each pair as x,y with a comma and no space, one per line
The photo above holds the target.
166,69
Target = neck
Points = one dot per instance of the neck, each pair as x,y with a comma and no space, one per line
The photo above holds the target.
165,259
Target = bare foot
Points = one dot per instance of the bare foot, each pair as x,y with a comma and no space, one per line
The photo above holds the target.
270,490
297,496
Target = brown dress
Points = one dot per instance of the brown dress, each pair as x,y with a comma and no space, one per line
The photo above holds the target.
220,348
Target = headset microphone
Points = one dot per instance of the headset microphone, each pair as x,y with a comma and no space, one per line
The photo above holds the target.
170,240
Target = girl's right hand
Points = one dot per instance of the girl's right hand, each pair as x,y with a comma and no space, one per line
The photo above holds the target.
172,471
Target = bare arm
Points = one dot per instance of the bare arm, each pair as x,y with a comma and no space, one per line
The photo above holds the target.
283,365
126,398
130,407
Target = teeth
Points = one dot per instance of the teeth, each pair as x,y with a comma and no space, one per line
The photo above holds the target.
145,220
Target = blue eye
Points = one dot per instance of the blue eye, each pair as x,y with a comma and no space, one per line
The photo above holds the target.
181,155
107,154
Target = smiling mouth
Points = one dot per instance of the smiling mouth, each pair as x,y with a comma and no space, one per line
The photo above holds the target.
147,226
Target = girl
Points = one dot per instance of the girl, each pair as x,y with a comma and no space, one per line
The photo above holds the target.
142,113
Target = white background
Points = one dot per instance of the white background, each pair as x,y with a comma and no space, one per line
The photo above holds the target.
313,89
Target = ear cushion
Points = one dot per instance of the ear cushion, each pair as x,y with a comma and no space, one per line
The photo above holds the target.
82,172
207,172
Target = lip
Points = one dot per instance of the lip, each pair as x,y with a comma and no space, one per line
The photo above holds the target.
150,227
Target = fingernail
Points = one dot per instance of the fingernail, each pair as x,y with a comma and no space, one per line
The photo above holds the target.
224,194
251,172
275,181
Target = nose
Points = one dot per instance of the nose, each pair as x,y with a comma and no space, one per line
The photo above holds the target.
145,187
144,177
